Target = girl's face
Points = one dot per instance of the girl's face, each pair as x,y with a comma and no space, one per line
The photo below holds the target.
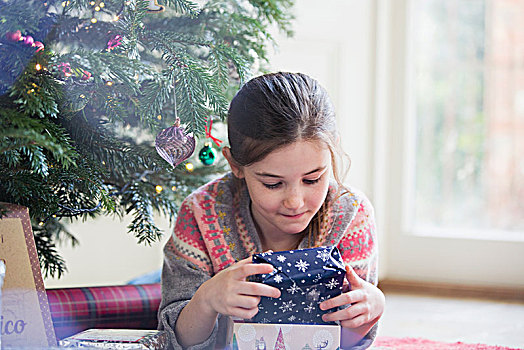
287,188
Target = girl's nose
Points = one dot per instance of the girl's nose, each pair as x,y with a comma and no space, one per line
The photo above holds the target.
294,200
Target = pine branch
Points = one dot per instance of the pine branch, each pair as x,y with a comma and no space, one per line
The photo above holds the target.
184,7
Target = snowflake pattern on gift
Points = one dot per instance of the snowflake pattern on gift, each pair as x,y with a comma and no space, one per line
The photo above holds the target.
313,294
323,255
332,284
309,308
305,278
281,258
302,265
293,289
287,306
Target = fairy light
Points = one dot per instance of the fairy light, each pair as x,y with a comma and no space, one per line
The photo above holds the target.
41,223
54,215
173,188
159,117
97,8
116,18
190,167
103,162
94,20
158,188
92,3
38,66
109,83
102,4
82,96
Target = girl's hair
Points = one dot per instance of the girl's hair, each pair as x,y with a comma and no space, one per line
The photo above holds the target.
278,109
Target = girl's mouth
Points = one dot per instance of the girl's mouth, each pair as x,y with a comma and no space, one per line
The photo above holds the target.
294,216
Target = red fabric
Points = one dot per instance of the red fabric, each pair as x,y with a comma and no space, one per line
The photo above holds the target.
390,343
128,306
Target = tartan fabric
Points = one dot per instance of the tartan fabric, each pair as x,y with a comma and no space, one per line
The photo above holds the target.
127,306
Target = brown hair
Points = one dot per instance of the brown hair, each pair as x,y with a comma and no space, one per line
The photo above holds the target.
278,109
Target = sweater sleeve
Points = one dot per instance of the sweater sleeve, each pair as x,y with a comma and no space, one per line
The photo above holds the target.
186,266
359,249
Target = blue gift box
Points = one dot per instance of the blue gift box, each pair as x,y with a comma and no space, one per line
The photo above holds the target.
305,277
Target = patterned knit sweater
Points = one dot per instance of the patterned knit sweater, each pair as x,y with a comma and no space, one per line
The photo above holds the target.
214,229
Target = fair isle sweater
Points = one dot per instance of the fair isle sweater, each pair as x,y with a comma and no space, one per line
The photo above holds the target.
214,229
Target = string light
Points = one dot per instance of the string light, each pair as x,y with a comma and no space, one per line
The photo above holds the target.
190,167
103,162
109,83
102,4
116,18
97,8
82,96
173,188
92,3
94,20
41,223
159,117
158,188
38,66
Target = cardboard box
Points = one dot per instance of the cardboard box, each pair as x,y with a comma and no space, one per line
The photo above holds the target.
26,318
255,336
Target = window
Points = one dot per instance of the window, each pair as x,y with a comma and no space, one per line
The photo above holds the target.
467,98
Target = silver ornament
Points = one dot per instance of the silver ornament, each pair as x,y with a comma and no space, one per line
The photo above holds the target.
174,145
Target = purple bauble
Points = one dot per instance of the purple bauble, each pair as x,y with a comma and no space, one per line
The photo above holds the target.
174,145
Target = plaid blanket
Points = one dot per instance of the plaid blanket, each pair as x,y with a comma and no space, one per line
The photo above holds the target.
127,306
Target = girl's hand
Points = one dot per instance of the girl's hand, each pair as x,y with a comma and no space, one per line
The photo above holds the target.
228,292
367,303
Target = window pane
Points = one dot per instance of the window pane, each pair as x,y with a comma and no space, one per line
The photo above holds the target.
468,83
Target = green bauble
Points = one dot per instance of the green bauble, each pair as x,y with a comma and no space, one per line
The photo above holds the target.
207,154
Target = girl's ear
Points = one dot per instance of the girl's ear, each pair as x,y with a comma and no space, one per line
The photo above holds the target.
235,168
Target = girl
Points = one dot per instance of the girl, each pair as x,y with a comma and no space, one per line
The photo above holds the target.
284,192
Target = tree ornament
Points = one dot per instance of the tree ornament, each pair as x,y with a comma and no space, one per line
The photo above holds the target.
28,40
207,154
39,46
114,42
154,6
174,145
14,36
86,75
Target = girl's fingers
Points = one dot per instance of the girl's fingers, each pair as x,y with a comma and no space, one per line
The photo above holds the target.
355,322
258,289
245,301
349,313
245,270
351,297
243,313
354,280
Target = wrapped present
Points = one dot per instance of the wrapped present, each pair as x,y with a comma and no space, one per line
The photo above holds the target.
249,336
305,277
117,339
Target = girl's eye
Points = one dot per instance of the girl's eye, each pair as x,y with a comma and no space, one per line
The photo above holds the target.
311,182
272,186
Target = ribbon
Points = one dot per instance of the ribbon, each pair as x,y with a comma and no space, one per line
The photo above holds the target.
208,132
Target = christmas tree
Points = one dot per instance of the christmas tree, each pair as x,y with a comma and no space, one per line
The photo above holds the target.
279,345
86,85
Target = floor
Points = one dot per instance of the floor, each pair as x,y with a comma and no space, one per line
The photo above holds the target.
450,320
